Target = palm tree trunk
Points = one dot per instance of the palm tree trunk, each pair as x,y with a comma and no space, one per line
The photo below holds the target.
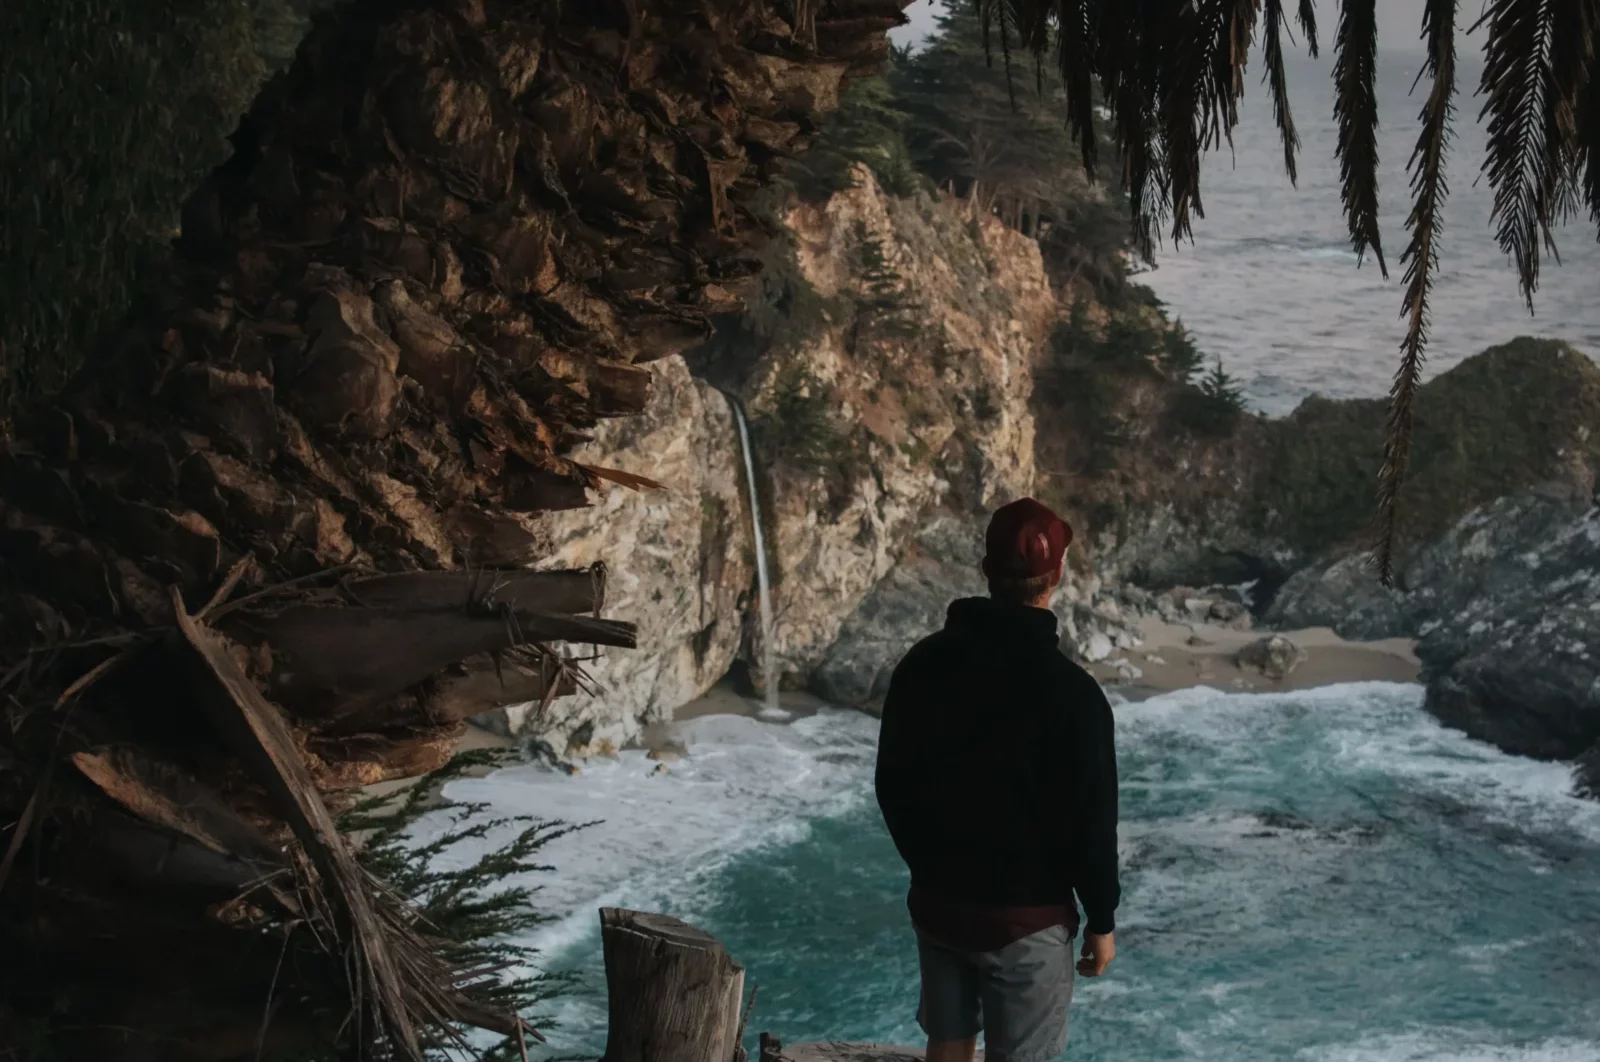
246,553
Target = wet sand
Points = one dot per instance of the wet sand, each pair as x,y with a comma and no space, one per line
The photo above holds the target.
1177,656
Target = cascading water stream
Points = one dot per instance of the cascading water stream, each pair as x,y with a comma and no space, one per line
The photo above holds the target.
769,660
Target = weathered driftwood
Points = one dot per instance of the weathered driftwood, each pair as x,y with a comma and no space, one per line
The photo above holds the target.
675,994
841,1051
451,237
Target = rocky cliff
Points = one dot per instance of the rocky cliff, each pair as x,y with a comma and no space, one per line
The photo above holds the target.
887,381
910,366
1167,500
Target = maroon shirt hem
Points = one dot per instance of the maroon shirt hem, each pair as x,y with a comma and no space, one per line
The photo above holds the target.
975,928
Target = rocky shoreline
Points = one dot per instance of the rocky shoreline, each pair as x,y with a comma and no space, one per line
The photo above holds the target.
892,382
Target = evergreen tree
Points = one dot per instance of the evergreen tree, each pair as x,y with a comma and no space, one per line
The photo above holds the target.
1000,141
1180,358
867,129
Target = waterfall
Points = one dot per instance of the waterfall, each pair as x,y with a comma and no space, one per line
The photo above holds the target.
769,660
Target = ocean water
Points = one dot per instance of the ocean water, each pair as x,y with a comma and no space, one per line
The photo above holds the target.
1324,876
1270,284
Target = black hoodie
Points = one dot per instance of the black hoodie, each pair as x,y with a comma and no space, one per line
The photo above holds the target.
997,773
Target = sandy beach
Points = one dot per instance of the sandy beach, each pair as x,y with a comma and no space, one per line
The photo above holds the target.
1179,655
1172,656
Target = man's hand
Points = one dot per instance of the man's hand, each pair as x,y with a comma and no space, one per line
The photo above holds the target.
1098,951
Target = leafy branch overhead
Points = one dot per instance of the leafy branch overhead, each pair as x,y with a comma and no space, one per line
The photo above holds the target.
1169,75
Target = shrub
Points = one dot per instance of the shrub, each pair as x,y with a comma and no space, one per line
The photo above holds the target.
798,429
1212,407
114,112
478,909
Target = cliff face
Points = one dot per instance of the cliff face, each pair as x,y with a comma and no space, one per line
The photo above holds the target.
1268,498
923,372
887,382
680,563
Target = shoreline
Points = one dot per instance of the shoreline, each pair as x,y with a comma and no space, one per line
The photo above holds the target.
1172,656
1177,656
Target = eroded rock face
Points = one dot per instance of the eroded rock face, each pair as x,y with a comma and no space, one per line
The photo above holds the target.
934,389
1507,607
908,604
680,564
1483,556
1514,657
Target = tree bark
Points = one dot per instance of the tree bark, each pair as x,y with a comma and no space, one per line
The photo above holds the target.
450,239
674,993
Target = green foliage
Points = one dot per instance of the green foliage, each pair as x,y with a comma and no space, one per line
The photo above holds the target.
111,112
798,428
867,129
1179,358
882,306
1132,339
1005,146
1517,415
479,909
1212,407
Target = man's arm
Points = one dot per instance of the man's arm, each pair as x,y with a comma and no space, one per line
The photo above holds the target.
894,778
1097,883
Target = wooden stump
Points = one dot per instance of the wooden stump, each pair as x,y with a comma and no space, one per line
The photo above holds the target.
675,993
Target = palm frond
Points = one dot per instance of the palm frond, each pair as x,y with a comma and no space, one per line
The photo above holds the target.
1192,109
1516,80
1075,61
1572,56
1307,18
996,14
1278,83
1588,146
1131,81
1421,260
1356,110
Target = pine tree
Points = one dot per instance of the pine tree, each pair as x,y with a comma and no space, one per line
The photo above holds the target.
1002,144
867,129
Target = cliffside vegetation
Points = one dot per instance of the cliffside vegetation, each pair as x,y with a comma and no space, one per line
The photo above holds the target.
109,123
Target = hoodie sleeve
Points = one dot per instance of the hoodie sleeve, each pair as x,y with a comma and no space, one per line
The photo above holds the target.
1097,882
895,777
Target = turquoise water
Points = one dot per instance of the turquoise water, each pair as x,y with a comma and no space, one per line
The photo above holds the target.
1321,876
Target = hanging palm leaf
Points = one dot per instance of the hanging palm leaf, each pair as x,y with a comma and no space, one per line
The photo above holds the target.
1171,72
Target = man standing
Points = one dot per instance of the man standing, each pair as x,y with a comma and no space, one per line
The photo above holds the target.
997,777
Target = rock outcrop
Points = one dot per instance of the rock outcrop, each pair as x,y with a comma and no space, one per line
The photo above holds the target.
680,564
1163,504
1519,664
922,379
1274,656
1506,605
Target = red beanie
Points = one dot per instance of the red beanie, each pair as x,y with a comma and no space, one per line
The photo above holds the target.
1025,539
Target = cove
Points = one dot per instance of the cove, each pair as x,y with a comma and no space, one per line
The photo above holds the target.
1326,875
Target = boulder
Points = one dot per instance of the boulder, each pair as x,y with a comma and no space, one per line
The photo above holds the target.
905,606
1516,661
1274,656
1343,594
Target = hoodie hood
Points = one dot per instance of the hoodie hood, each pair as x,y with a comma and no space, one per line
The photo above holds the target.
995,623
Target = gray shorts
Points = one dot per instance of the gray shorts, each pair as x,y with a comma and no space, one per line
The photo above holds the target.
1017,996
